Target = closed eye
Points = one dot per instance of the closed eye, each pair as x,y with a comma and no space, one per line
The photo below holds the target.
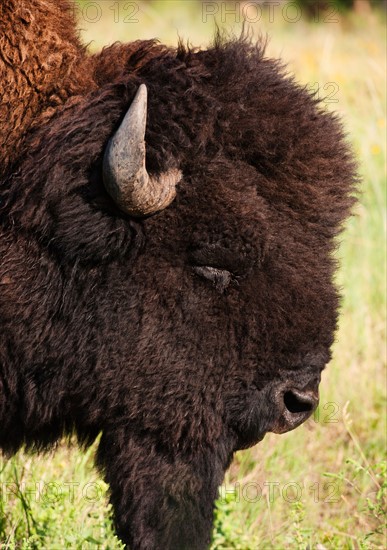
220,278
220,265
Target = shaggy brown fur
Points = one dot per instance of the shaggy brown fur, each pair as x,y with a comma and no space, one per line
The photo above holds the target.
172,335
42,65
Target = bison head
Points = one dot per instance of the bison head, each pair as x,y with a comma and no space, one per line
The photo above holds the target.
174,292
235,305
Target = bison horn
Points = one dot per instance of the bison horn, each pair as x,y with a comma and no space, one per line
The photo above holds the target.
124,173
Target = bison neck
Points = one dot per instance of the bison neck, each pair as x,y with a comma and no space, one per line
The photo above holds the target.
42,65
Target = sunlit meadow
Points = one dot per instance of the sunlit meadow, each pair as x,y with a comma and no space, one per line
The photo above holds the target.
324,485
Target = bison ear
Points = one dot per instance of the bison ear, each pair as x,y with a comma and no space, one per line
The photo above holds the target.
124,174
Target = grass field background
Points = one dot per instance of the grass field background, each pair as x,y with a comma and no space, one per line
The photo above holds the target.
324,485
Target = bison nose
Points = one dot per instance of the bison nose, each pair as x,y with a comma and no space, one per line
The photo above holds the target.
294,407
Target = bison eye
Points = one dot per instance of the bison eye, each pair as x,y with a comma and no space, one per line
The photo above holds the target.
220,258
220,278
219,264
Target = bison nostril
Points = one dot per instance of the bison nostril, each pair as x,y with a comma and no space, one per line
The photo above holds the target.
293,408
297,402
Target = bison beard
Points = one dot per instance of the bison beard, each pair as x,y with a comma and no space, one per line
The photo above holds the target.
184,335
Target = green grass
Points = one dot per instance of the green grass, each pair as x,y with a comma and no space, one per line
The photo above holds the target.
324,485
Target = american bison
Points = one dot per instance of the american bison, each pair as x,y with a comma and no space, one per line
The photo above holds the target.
167,223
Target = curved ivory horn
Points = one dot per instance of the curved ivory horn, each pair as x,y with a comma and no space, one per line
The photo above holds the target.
124,173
